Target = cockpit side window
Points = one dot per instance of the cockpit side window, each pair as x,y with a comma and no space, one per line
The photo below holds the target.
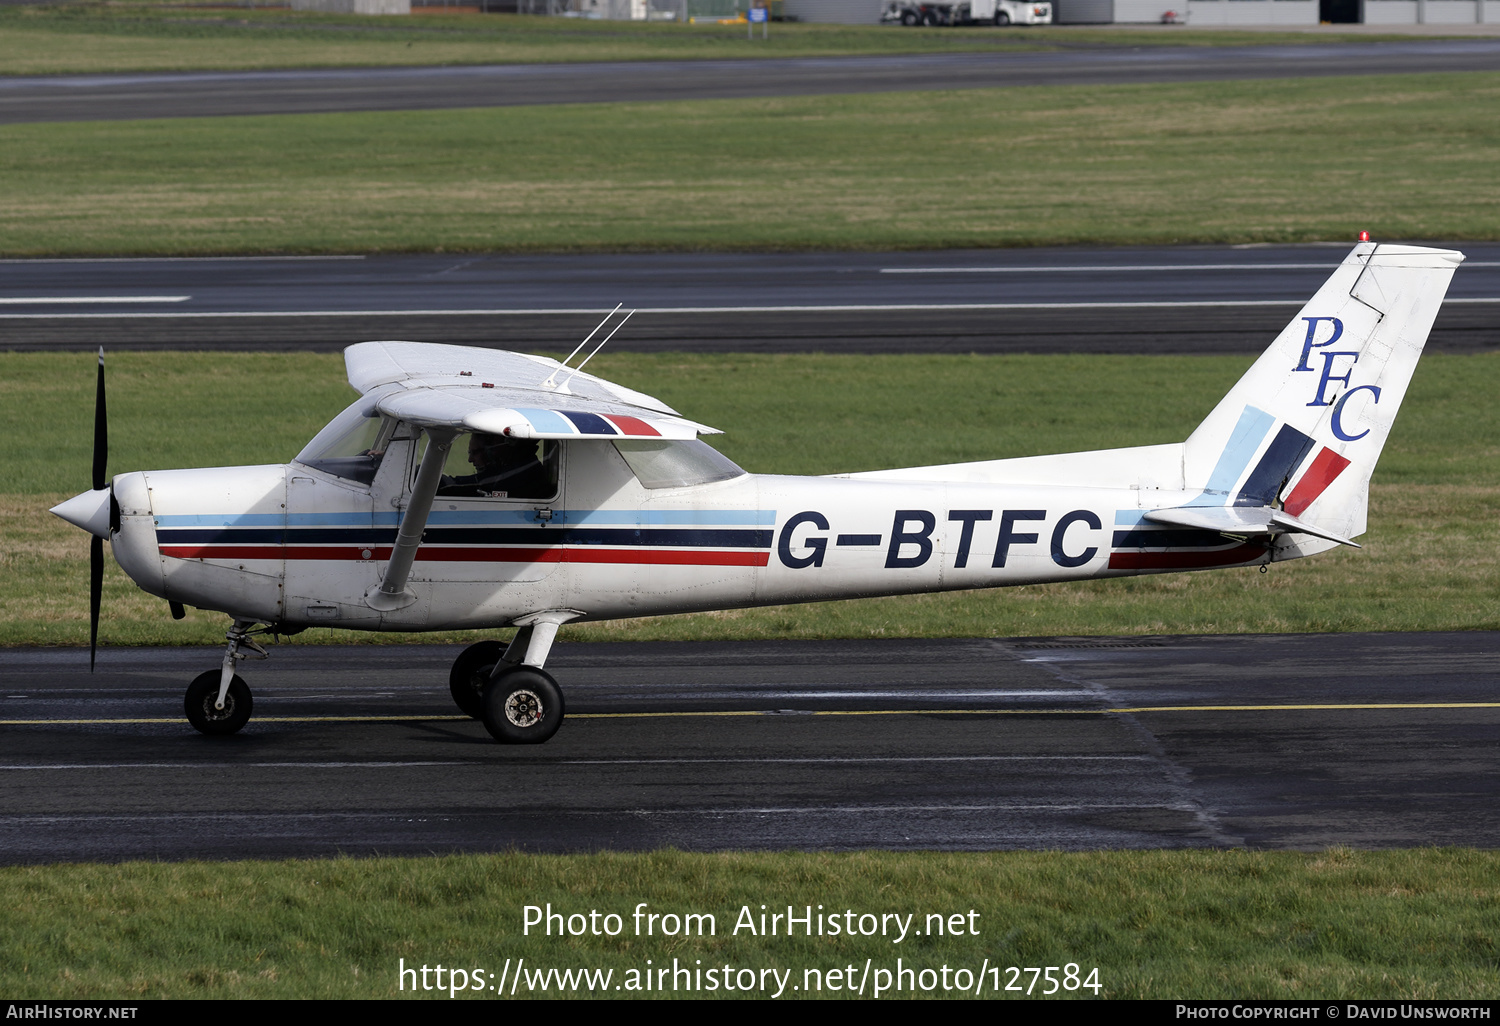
352,445
499,467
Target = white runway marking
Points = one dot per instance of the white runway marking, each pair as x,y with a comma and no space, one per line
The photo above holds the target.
1105,268
590,311
97,300
167,259
581,311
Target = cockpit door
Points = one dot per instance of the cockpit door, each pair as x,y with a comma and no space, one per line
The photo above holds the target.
498,513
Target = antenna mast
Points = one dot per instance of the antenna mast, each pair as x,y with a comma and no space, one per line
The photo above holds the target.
600,346
551,382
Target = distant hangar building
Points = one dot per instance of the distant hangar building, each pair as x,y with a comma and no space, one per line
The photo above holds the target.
1065,12
1204,12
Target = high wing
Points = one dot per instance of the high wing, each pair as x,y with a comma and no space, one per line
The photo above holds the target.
448,389
468,389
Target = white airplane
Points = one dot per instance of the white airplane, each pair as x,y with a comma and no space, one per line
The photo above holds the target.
474,489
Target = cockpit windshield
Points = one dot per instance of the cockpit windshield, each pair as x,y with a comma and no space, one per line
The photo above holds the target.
353,444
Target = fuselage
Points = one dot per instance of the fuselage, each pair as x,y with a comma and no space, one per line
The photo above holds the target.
290,545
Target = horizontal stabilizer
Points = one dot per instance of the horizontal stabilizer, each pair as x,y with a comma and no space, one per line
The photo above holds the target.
1242,521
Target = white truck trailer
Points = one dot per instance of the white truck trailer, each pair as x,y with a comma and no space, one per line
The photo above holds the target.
969,12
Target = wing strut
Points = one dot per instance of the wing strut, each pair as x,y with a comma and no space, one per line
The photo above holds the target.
392,593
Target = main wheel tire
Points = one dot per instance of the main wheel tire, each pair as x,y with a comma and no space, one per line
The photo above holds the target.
203,692
910,18
1001,18
523,706
470,673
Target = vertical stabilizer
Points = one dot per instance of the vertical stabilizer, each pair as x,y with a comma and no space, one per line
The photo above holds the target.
1302,430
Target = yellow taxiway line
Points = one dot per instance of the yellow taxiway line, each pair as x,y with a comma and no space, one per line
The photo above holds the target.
1323,707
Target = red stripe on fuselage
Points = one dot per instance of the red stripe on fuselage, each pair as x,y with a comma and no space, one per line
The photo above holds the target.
438,554
1180,560
1327,466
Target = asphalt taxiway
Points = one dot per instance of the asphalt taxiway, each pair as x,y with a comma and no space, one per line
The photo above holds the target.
1299,741
216,94
1183,299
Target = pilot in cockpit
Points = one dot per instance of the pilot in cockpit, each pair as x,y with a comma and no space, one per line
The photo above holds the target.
503,468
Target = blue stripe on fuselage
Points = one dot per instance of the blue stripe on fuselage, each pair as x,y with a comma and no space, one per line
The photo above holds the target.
536,535
672,517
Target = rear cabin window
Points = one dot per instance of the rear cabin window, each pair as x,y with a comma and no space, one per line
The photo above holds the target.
677,464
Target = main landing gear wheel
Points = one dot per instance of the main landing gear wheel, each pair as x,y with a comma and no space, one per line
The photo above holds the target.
470,673
523,706
1001,18
203,692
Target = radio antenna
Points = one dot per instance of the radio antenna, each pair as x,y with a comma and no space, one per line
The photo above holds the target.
600,346
550,383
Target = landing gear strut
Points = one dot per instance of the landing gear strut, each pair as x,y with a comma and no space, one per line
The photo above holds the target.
219,702
518,701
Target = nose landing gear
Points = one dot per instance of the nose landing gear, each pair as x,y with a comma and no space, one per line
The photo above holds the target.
218,701
204,711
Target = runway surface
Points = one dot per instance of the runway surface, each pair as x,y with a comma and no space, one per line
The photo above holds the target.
1189,299
214,94
1300,741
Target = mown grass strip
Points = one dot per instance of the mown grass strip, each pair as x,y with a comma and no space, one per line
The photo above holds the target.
1431,561
1226,924
1409,156
82,38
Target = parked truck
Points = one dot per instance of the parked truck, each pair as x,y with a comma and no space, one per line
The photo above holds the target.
969,12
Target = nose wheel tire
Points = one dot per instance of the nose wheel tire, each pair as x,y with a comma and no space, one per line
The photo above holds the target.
203,692
523,706
470,673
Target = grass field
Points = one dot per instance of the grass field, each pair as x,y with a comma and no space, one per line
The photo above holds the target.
1283,161
1411,924
1431,561
118,36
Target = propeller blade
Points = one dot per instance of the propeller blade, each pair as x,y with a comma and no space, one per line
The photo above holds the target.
96,590
96,544
101,428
